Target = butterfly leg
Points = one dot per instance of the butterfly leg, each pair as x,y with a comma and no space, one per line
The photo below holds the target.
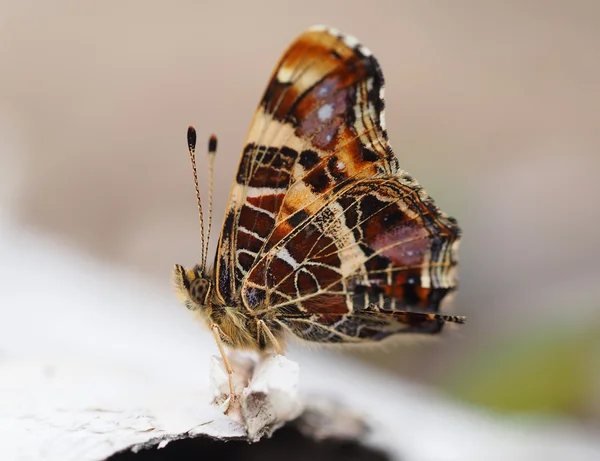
262,326
216,331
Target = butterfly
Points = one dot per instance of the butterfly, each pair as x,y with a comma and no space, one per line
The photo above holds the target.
325,238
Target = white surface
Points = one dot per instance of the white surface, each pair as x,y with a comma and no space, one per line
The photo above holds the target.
266,391
93,359
272,396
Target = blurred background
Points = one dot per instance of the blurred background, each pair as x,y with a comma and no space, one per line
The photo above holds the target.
493,106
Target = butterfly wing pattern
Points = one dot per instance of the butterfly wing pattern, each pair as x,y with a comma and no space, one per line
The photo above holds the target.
325,237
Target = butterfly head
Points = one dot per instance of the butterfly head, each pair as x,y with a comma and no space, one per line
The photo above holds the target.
193,287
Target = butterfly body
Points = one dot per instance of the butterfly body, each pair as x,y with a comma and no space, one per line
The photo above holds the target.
325,238
238,327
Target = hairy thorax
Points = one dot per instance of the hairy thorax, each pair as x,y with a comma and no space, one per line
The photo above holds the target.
241,329
238,328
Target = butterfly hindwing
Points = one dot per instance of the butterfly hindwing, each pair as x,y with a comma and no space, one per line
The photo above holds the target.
376,245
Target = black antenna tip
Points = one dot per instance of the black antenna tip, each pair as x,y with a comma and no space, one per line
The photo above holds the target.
212,144
191,138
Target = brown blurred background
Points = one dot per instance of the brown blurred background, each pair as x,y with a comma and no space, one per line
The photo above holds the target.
494,106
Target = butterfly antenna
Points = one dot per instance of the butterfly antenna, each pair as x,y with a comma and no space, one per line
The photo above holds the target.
212,151
191,139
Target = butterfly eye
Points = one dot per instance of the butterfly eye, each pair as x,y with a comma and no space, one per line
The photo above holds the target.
199,290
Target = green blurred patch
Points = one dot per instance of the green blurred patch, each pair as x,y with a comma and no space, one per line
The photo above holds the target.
552,371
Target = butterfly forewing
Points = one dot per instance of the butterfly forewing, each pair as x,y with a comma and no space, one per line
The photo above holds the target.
324,233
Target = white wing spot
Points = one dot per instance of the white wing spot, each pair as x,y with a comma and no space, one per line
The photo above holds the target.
325,112
351,41
364,50
285,74
323,90
261,191
284,254
382,120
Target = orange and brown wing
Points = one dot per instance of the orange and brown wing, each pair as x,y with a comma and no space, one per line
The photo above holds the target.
320,216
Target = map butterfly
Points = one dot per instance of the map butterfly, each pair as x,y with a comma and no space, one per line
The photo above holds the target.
325,238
